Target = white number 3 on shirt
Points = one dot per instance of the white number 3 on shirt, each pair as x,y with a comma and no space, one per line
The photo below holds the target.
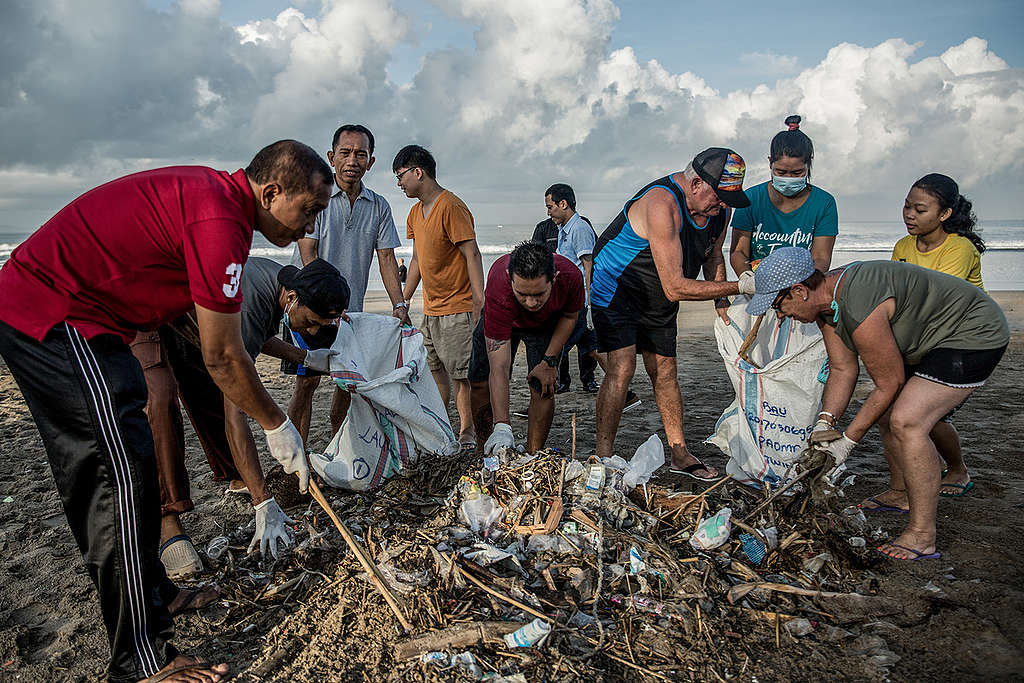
234,273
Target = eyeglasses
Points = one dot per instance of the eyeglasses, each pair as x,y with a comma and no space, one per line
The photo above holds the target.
778,299
398,176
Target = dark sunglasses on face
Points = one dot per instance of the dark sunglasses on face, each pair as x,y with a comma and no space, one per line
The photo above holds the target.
778,300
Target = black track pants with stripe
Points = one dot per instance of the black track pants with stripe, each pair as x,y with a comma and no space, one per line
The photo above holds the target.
87,399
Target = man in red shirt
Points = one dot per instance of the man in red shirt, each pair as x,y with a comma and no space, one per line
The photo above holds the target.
532,296
131,255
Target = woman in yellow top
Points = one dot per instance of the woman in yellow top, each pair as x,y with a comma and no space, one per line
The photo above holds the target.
942,237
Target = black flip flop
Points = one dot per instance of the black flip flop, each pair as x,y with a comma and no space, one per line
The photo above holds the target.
689,470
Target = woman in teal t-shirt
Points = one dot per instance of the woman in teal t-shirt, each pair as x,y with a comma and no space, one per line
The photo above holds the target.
786,211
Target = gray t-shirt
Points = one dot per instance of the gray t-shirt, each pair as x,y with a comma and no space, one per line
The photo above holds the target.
933,310
261,314
349,233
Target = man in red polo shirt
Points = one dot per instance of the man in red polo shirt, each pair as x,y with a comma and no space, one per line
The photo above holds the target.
131,255
535,297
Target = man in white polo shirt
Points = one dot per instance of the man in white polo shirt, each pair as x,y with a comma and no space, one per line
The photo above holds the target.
356,223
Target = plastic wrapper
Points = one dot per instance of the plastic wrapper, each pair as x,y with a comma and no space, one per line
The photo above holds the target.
713,531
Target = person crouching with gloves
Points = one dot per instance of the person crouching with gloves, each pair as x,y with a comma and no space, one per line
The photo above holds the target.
307,302
535,297
927,339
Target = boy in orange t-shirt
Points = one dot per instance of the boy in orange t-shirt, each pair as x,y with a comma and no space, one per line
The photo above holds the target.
445,255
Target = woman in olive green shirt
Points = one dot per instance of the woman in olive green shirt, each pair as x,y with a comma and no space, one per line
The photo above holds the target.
927,339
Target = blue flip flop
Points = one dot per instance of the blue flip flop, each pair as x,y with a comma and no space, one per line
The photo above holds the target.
918,555
882,507
964,488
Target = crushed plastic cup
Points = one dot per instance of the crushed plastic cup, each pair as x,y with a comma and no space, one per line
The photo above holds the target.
713,531
216,547
529,635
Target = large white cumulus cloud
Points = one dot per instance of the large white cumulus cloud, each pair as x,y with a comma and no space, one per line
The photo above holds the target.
92,89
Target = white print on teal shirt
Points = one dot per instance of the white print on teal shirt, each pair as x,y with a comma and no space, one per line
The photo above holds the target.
771,240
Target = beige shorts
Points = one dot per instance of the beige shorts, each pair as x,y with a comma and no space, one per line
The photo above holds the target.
449,342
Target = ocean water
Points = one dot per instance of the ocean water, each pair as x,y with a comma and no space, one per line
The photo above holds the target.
1002,264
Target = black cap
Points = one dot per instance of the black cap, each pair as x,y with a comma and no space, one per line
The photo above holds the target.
319,285
723,169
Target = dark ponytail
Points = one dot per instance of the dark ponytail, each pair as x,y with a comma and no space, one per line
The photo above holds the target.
792,143
962,220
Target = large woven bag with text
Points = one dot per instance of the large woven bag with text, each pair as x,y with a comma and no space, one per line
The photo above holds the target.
396,413
778,394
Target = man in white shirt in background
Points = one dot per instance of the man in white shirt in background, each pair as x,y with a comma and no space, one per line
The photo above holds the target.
356,224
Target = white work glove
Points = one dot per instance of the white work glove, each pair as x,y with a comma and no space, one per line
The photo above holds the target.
319,359
746,282
839,449
271,527
285,445
501,437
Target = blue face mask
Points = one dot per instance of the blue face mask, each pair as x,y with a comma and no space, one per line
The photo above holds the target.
788,187
284,316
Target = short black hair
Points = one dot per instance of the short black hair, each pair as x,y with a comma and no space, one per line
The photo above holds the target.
353,128
560,191
290,164
414,156
530,260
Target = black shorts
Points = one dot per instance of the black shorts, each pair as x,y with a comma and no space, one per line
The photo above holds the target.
537,343
615,331
323,339
956,368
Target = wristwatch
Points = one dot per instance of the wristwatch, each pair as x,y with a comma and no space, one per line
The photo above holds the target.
401,304
551,360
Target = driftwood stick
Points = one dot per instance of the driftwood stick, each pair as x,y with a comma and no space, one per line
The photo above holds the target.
501,596
749,341
775,495
367,564
455,637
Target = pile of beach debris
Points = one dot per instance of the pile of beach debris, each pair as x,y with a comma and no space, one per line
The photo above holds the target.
527,567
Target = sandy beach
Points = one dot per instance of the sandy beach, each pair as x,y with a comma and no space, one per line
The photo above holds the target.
972,629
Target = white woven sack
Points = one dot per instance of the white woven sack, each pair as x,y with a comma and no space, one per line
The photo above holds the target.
766,427
396,413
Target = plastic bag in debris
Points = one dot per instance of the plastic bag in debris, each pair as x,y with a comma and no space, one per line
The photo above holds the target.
481,513
648,458
713,531
541,542
486,555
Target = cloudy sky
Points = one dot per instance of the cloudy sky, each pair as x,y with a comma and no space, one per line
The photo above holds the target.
512,96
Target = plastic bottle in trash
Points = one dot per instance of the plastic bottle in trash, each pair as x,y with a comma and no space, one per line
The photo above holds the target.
529,635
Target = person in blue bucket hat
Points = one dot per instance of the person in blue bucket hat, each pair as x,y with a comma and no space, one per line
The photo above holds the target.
927,339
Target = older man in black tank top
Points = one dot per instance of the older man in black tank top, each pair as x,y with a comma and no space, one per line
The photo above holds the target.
645,263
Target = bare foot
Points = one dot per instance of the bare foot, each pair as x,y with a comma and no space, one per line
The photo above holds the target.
890,498
909,546
185,669
682,458
193,598
954,484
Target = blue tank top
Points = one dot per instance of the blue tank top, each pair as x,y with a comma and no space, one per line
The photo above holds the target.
625,277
